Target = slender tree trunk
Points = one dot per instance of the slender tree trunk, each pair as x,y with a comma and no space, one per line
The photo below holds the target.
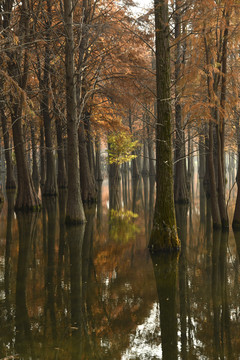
50,186
236,217
180,182
145,162
213,188
35,171
75,212
98,174
10,181
87,185
151,157
42,158
62,173
134,163
164,235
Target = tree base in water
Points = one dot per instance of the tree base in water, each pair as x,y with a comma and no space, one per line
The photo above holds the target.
164,239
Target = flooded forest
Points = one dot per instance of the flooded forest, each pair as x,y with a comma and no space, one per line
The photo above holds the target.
119,180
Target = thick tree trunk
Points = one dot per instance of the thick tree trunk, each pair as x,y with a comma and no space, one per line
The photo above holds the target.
75,212
164,234
10,181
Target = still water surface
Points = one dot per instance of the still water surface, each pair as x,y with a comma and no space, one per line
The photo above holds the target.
94,291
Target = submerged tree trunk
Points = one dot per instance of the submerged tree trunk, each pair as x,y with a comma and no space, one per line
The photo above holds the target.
75,212
164,234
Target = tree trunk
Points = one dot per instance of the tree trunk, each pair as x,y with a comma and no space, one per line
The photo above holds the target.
42,158
164,234
98,174
26,195
145,162
10,181
50,186
213,188
35,171
180,182
75,212
87,185
236,217
152,171
62,173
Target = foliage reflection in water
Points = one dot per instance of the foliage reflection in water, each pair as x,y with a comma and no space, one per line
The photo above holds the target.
94,291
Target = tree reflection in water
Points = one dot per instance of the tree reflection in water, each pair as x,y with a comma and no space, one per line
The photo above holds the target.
94,293
165,270
24,338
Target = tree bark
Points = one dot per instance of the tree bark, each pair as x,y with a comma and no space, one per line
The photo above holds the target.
87,185
35,171
10,181
50,186
75,212
164,234
42,158
62,173
180,182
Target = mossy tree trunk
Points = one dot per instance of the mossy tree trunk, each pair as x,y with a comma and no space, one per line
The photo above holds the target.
164,235
75,212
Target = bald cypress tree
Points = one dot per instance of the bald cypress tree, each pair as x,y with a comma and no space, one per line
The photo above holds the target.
164,235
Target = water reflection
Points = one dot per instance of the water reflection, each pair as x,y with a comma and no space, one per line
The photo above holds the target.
94,292
75,241
165,271
24,337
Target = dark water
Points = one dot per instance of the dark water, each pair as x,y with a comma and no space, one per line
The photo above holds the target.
94,292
